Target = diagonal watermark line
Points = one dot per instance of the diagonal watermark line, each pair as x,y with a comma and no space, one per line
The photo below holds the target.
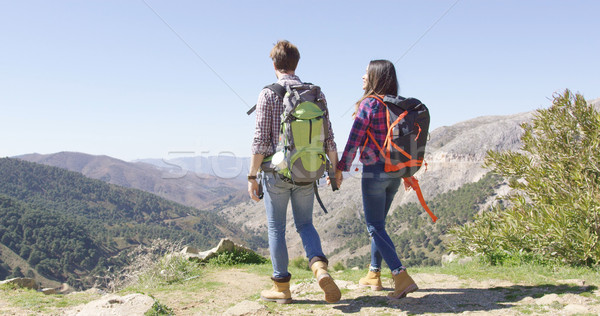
419,39
194,52
427,31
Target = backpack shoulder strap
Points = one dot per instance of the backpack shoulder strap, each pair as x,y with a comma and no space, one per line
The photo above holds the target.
369,134
275,87
405,104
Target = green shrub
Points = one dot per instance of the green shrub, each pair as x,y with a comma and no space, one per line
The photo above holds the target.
230,258
553,214
300,263
159,309
339,266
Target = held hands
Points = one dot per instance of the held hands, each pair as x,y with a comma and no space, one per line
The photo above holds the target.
338,178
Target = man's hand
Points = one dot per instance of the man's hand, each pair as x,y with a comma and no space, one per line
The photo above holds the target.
338,178
253,190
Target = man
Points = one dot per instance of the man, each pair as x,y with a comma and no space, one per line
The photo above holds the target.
278,192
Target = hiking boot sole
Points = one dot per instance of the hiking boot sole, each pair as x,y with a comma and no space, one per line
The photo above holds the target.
411,288
277,300
332,292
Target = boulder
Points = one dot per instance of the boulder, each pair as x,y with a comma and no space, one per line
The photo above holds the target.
22,282
190,250
453,257
49,291
224,245
131,305
449,258
65,289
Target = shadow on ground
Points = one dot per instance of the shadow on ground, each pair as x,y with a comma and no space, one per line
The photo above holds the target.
459,300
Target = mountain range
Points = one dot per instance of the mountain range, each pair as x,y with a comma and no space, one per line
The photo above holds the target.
454,158
68,227
185,186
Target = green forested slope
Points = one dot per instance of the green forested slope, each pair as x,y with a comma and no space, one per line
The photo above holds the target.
69,227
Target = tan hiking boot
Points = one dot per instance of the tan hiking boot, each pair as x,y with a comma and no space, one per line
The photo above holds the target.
372,280
280,292
403,284
332,292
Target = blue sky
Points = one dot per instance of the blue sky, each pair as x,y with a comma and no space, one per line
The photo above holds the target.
165,79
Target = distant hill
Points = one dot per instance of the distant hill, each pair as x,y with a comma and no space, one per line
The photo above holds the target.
69,228
191,188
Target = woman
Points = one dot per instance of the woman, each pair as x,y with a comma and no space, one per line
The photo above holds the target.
378,186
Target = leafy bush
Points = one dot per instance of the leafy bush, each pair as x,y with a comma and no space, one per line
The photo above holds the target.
159,309
230,258
300,263
553,214
339,266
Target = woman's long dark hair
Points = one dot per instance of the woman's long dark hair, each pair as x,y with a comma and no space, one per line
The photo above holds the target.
381,79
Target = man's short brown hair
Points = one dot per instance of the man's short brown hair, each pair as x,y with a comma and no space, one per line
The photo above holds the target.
285,56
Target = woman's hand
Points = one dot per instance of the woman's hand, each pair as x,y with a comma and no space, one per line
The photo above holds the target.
339,177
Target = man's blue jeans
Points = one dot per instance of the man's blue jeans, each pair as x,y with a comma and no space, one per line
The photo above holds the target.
378,190
277,193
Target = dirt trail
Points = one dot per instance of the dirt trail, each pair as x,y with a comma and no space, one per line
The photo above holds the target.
438,294
236,292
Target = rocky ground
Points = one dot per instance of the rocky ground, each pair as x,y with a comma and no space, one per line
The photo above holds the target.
236,292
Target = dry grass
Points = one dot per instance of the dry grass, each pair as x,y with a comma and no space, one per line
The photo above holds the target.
160,262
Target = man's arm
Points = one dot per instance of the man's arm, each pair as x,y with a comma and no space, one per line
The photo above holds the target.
333,159
255,163
261,143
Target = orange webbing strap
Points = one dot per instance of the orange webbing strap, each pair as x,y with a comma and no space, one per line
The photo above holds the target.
390,167
365,144
419,133
387,120
369,134
398,148
378,98
414,184
374,141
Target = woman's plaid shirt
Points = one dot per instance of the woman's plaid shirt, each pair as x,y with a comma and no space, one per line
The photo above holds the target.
370,115
269,108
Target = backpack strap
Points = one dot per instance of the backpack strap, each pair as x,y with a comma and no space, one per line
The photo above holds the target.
275,87
414,184
369,134
388,140
318,197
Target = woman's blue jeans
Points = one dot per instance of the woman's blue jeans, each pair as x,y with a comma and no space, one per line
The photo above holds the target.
378,190
277,194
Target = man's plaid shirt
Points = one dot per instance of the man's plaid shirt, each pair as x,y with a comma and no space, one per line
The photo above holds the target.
269,108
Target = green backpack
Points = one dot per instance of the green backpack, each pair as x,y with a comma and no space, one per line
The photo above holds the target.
302,134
